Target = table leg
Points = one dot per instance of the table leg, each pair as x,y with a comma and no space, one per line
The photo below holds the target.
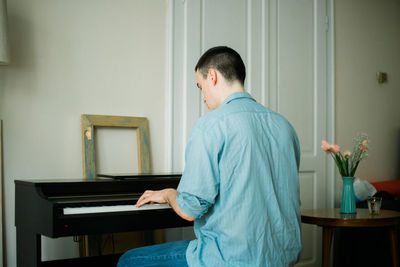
327,235
393,245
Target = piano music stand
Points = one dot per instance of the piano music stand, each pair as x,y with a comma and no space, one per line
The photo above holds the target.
129,176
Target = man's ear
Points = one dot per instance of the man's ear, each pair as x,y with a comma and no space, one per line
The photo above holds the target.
213,74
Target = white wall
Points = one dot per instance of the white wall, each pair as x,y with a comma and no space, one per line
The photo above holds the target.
69,58
368,41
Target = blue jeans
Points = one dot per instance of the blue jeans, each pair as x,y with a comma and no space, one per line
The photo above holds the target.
172,254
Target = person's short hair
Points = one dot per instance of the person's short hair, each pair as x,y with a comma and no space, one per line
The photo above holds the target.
224,59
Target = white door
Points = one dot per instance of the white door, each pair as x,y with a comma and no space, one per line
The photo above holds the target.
285,45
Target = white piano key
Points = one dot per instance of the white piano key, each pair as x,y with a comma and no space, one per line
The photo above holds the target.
116,208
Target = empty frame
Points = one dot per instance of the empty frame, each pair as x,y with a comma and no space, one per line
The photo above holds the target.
90,122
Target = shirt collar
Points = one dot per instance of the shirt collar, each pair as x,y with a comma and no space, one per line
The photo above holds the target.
237,95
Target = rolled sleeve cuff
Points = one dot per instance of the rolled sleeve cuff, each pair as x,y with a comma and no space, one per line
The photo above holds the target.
192,205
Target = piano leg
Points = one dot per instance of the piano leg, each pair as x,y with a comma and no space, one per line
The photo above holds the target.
28,248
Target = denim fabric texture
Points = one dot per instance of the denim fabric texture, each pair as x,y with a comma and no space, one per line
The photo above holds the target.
172,254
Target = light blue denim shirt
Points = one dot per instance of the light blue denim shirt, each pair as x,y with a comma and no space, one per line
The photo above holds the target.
241,184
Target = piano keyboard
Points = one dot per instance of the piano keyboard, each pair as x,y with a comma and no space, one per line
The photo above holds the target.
116,208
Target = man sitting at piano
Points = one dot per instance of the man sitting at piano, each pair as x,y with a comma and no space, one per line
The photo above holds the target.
240,185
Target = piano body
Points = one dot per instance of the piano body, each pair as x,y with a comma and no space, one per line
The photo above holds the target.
57,208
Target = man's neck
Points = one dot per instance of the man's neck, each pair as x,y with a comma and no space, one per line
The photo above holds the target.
233,88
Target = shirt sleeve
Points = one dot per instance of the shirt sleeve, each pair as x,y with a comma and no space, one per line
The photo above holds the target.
192,205
199,184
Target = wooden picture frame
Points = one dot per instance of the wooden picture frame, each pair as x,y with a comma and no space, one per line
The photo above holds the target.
89,122
94,245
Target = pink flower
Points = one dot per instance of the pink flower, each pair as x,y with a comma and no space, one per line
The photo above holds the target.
363,145
334,148
325,146
347,154
330,147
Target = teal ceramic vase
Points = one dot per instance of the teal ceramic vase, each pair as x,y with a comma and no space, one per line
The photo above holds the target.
348,204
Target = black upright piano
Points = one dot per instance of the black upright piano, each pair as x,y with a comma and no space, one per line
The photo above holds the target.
58,208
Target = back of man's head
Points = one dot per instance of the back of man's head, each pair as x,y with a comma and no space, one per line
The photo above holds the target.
224,59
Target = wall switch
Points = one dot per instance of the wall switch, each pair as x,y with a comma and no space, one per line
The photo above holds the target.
381,77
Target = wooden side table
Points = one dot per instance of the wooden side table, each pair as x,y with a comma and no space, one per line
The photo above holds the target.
328,219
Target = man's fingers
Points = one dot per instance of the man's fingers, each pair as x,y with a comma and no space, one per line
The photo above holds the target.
141,202
152,197
144,198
